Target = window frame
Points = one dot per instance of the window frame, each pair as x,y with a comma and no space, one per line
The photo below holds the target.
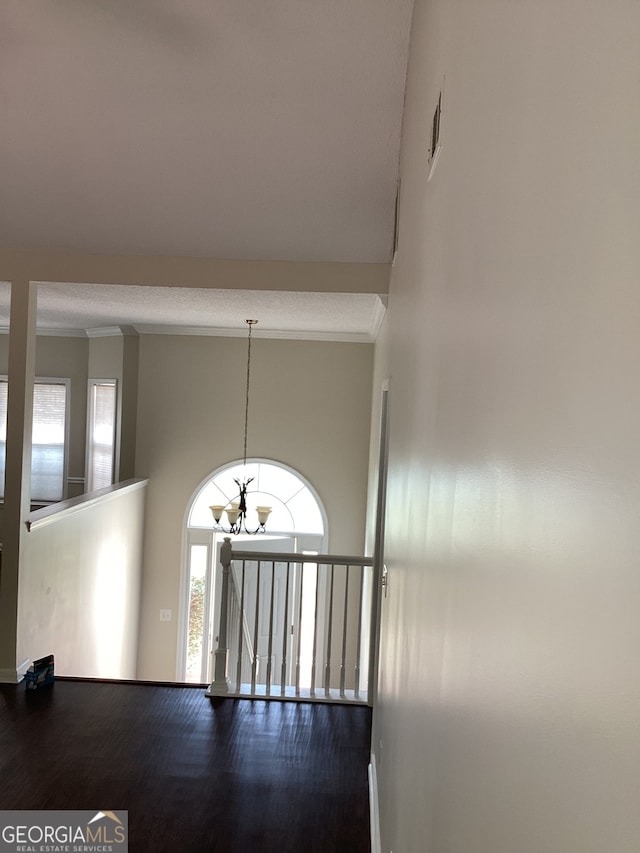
92,383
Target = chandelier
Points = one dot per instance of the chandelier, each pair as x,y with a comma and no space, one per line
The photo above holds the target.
236,510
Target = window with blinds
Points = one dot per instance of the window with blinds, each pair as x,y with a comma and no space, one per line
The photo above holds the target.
101,433
48,438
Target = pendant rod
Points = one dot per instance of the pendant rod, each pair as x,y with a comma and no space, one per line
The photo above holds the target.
251,324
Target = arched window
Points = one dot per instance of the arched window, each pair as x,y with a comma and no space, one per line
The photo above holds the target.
295,506
297,523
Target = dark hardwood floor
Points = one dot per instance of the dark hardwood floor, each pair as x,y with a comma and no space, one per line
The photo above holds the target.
195,774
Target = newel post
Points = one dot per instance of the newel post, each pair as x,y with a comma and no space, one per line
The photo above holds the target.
220,684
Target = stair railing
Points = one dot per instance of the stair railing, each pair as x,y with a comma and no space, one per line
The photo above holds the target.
310,622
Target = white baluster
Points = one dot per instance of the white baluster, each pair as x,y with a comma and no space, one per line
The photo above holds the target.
356,688
315,636
254,665
285,635
344,630
240,633
270,643
327,664
299,629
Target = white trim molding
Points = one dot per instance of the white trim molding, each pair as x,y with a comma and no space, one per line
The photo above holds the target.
374,809
274,334
110,332
9,675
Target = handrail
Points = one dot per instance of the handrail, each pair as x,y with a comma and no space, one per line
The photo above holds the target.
54,512
284,557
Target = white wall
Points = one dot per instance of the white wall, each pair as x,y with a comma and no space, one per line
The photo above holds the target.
79,588
310,408
509,685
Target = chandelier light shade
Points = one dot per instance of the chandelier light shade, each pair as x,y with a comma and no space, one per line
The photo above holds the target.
236,510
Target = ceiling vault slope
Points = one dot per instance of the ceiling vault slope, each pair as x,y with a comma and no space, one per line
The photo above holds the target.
233,146
229,129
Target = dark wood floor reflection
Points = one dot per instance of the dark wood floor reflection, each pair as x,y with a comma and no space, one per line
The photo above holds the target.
195,774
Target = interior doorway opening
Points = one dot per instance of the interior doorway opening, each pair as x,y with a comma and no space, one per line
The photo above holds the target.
297,524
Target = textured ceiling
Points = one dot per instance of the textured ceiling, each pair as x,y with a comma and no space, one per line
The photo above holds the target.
212,128
97,309
164,309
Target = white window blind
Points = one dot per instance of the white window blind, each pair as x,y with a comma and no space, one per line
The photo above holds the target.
48,438
101,434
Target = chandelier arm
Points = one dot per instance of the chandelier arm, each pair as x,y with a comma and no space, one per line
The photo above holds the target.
240,524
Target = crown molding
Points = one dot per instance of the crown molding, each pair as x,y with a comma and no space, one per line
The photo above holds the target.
367,337
110,332
53,333
274,334
62,333
378,317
